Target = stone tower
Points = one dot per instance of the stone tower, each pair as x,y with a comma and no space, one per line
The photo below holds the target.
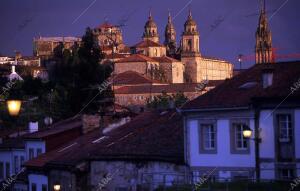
170,37
190,54
263,47
150,32
190,38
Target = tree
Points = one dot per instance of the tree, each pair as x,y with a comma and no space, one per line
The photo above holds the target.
76,74
165,101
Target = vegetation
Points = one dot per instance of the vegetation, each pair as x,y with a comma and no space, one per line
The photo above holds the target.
72,85
165,101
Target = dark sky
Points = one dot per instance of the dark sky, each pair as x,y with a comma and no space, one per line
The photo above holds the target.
227,27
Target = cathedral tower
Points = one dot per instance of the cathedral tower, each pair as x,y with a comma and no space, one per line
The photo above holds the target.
190,38
170,37
263,47
190,54
150,32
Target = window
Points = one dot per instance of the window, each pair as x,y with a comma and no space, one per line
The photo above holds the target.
44,187
286,174
209,136
240,142
33,187
1,171
31,153
38,152
7,169
285,127
21,160
16,162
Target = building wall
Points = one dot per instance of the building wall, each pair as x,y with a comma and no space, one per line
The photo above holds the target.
35,145
214,70
8,156
224,161
132,175
190,64
140,100
140,67
152,51
39,180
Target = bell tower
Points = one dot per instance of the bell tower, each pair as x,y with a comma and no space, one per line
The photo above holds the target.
170,37
190,38
190,54
150,32
263,47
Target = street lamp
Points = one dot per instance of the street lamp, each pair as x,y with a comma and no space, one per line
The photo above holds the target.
56,186
247,132
14,107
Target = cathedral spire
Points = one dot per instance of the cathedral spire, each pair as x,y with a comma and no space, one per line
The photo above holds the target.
170,37
263,47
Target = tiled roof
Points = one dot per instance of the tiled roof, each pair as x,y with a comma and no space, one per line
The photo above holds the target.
132,78
168,88
149,136
230,94
12,143
116,56
60,127
137,58
148,43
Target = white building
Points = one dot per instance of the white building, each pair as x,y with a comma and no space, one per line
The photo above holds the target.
264,98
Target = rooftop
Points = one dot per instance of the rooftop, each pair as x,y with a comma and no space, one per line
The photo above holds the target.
168,88
147,43
136,58
150,136
243,88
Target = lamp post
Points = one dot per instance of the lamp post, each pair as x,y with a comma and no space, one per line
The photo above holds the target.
14,107
247,133
56,186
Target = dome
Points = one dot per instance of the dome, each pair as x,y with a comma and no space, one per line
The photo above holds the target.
150,23
190,20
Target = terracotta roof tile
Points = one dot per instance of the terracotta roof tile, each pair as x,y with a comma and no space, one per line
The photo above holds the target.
149,136
169,88
137,58
230,94
147,43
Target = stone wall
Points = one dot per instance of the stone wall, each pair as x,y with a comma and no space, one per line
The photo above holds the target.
110,175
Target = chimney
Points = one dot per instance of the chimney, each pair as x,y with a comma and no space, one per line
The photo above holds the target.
13,69
90,122
267,77
33,127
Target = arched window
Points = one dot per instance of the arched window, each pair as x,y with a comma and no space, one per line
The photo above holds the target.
189,45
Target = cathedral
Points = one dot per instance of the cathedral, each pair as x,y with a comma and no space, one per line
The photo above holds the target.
263,47
182,64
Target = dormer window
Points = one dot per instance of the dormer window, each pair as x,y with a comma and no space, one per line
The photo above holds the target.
267,78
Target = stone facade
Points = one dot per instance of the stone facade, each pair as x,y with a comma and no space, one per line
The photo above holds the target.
44,46
134,175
